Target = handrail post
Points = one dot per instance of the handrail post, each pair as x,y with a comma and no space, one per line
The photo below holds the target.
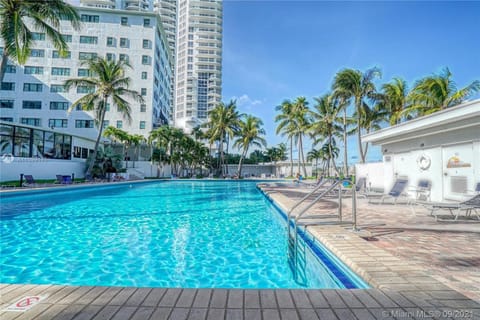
340,202
354,202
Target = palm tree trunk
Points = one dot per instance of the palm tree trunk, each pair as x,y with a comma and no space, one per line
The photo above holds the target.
226,153
3,65
291,156
298,154
345,149
221,155
303,158
359,132
97,142
240,163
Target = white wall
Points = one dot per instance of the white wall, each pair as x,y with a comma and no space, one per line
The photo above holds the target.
40,168
374,173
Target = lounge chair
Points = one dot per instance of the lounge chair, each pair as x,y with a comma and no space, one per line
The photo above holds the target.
470,207
29,181
397,191
63,179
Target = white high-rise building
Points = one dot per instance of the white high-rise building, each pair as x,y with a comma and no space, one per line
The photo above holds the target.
198,56
33,94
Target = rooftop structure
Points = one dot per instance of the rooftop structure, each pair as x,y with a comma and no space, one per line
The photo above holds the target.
443,148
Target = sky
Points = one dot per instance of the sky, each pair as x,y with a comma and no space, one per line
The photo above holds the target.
276,50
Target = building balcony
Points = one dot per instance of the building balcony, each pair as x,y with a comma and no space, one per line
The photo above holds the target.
110,4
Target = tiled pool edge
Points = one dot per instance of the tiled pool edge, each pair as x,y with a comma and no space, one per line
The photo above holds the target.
378,268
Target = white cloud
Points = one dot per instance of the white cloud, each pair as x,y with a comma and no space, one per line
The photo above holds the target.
245,102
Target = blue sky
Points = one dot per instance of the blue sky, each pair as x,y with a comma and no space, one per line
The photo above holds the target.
275,50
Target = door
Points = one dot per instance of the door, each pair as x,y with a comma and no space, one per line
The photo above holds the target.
457,171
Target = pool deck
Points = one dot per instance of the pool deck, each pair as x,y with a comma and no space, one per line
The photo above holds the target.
417,268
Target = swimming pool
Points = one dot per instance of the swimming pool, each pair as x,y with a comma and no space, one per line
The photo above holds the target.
191,234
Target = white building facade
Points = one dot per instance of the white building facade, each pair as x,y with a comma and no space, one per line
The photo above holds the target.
33,94
442,148
198,71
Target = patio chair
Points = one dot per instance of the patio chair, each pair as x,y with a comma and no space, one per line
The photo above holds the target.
29,180
422,190
63,179
470,206
397,191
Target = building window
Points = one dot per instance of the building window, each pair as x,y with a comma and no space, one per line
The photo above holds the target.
11,68
31,104
6,104
38,36
146,44
58,123
89,18
110,56
88,39
32,87
58,105
60,71
123,57
145,59
84,73
144,91
30,121
32,70
142,124
123,42
86,55
67,37
37,53
8,86
119,124
144,75
56,55
146,22
124,21
106,123
107,108
57,88
83,123
110,42
143,108
6,119
85,89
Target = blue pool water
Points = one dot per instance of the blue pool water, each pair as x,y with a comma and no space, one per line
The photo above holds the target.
191,234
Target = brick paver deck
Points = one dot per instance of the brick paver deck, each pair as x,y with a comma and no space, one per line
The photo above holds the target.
410,265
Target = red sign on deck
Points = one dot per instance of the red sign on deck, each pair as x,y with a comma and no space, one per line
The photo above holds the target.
24,303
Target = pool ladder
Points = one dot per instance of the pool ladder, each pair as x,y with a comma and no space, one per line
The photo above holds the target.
296,248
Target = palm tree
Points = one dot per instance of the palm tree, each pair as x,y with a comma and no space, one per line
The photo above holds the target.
108,82
437,92
286,126
135,140
249,134
45,17
301,125
330,152
116,135
222,124
327,123
353,84
314,155
160,138
394,99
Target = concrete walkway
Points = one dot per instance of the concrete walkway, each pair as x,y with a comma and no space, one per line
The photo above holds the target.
408,259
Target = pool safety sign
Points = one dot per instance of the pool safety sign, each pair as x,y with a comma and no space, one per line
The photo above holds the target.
25,303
